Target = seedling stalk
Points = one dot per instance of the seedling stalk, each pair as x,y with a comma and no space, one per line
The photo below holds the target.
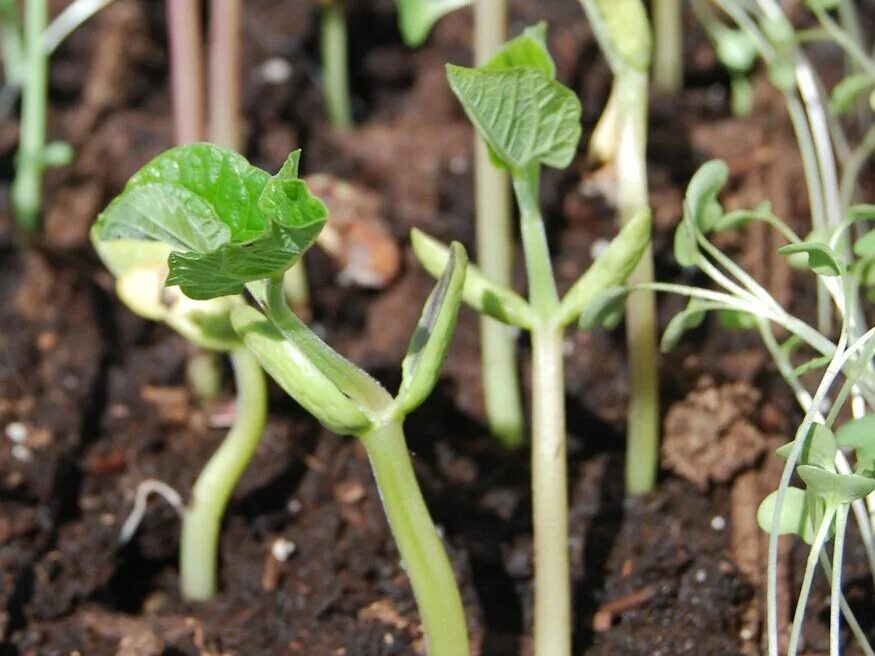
668,44
186,70
335,63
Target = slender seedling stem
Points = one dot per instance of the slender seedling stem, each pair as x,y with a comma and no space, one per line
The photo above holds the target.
668,60
836,587
422,552
224,73
642,440
335,63
27,189
552,623
501,388
209,497
186,70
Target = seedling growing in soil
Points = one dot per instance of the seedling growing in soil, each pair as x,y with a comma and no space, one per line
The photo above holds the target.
620,140
231,227
832,487
528,119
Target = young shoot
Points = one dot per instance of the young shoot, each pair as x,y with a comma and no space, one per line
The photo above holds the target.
620,140
230,227
668,46
529,120
832,488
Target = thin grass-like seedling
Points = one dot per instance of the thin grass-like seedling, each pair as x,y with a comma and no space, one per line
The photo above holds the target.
529,120
230,228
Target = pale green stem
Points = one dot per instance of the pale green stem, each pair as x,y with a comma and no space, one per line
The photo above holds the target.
68,20
225,103
836,587
27,188
850,618
186,70
422,552
668,44
642,433
296,288
552,616
199,541
335,63
854,165
501,387
808,577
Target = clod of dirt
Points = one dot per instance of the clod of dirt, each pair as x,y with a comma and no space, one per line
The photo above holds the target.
710,435
356,236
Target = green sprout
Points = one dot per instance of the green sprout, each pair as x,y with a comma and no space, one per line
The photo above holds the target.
333,42
529,120
668,45
620,139
232,228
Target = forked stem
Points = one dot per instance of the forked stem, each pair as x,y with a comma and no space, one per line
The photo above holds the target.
199,540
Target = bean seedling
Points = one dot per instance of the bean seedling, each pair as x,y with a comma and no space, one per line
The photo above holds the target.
529,120
230,227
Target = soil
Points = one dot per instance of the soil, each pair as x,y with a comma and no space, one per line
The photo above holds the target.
102,396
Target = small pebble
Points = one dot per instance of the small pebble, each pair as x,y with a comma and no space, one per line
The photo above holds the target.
294,506
22,453
16,431
718,523
701,576
281,549
458,165
275,70
598,247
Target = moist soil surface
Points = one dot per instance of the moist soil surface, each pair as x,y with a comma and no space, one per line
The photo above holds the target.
307,564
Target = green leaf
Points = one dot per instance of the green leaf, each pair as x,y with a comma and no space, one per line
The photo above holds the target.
700,200
686,249
847,92
833,487
611,267
796,517
228,222
736,319
434,331
813,364
417,17
528,50
288,363
605,310
859,434
735,50
523,115
819,448
479,292
740,218
822,260
687,319
864,247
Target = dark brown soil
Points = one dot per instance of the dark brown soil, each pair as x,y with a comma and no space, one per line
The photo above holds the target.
103,397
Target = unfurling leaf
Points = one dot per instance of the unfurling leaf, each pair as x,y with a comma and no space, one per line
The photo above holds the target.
605,310
525,117
822,260
689,318
431,339
611,267
796,516
528,50
702,212
479,292
229,223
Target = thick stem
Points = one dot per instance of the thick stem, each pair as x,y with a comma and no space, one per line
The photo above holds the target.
186,69
668,56
552,630
297,289
27,188
335,63
422,552
199,541
501,388
539,270
224,72
642,433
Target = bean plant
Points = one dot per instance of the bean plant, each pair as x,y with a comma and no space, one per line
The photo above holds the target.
620,140
228,229
530,120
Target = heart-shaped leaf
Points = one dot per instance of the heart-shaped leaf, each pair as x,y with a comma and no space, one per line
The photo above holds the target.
796,516
525,117
835,488
819,448
431,339
859,434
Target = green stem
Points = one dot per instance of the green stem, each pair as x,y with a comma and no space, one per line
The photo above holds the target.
199,541
642,433
668,62
335,64
501,388
836,586
296,288
552,624
27,189
422,552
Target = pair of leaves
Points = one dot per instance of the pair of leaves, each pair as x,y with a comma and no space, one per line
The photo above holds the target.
611,268
229,223
340,395
525,116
